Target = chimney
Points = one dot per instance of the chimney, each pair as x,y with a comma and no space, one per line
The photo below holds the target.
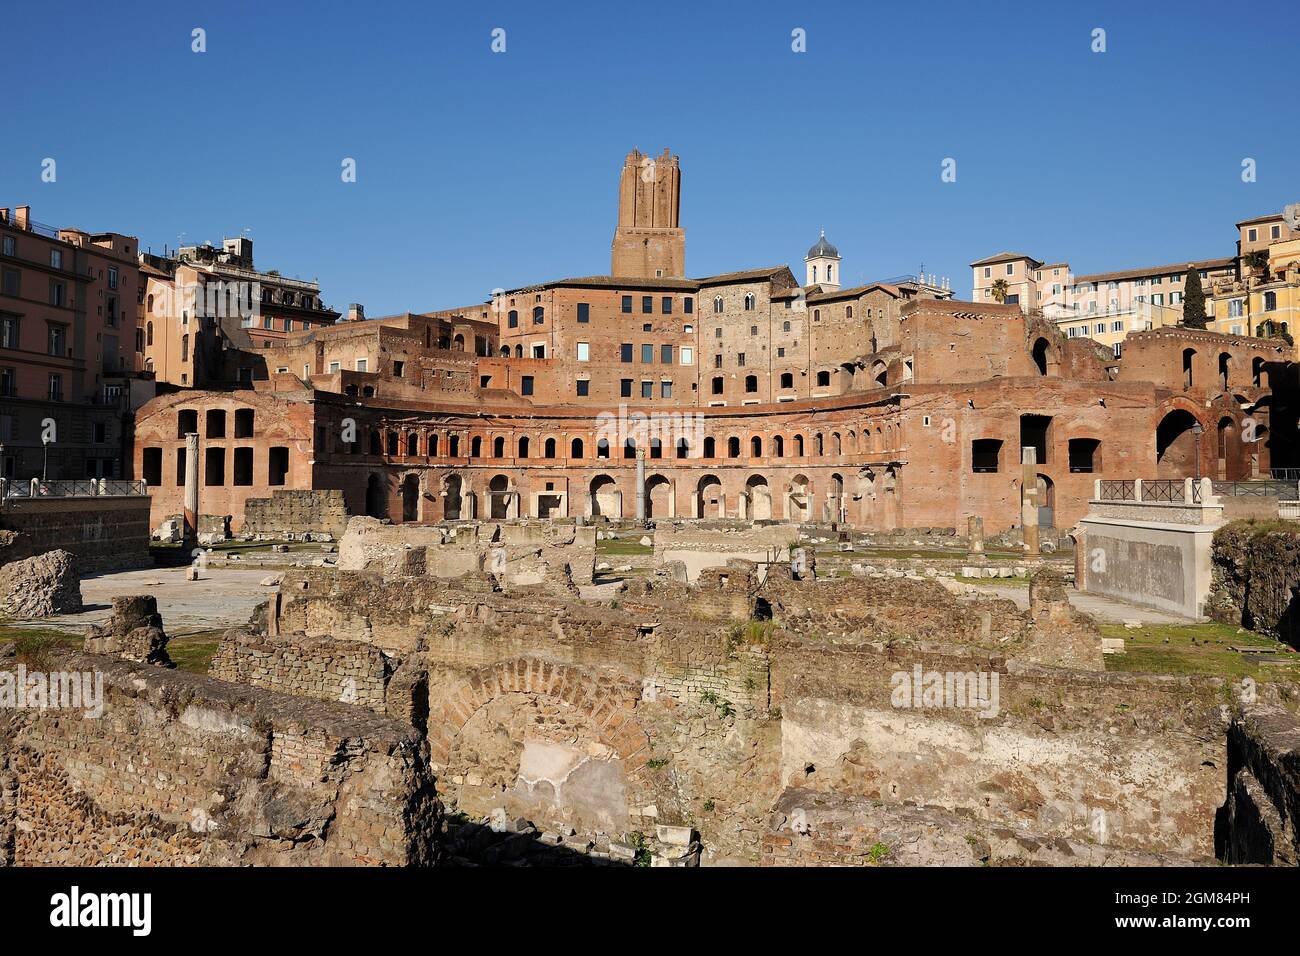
22,216
356,312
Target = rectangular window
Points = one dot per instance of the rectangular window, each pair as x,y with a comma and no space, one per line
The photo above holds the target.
584,388
584,351
8,333
666,354
58,293
625,388
11,284
740,359
334,367
647,304
8,378
666,306
647,389
584,312
688,305
57,338
526,385
112,277
688,355
665,389
625,352
647,354
627,303
56,387
398,368
56,258
363,365
10,247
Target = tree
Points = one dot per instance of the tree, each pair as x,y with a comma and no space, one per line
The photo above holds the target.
999,290
1193,300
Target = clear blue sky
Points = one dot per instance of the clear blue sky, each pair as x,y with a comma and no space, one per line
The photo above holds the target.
478,170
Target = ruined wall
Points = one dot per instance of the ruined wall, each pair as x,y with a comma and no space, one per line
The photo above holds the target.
104,533
1124,760
288,515
1256,570
1261,819
256,777
712,545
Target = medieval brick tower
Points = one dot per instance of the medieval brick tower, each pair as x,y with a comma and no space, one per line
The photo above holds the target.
649,243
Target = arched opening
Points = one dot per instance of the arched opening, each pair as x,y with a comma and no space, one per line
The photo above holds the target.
708,498
683,448
656,448
1225,364
476,447
452,497
523,446
733,447
709,448
1042,355
759,495
376,497
629,448
799,497
818,445
499,447
756,447
499,495
880,373
1189,356
548,450
1176,445
575,448
1257,372
1046,502
658,497
1227,448
412,445
376,445
778,446
605,498
453,446
411,498
602,448
835,499
798,446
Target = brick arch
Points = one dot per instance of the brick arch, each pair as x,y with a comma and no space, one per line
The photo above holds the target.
606,703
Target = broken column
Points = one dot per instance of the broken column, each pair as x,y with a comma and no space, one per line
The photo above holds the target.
975,534
134,632
1029,499
191,489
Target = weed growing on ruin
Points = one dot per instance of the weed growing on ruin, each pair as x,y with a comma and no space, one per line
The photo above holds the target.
657,763
877,852
709,806
724,707
636,839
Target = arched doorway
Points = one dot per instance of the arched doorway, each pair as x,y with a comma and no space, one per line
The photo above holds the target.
499,497
1227,449
1176,445
709,502
1042,355
376,497
759,495
453,488
658,497
800,499
1046,502
835,499
605,499
411,498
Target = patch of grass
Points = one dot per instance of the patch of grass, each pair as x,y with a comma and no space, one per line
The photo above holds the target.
1012,582
194,652
34,644
1198,649
623,546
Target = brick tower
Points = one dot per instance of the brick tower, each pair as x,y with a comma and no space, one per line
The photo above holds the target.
649,243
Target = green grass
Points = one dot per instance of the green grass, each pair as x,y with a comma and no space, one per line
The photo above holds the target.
1010,582
1197,649
623,546
916,554
190,652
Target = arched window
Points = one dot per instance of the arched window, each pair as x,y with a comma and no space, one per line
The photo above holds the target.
602,449
523,447
683,448
778,446
848,312
798,446
717,303
539,315
709,448
749,302
787,380
433,446
499,447
453,446
150,307
512,319
823,379
751,383
629,448
733,447
476,447
656,448
548,450
817,315
412,445
756,447
575,449
148,332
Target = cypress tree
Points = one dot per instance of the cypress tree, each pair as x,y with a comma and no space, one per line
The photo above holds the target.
1193,300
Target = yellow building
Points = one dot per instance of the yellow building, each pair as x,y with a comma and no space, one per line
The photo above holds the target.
1267,291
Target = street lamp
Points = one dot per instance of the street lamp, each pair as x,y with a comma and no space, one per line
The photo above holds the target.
45,461
1197,431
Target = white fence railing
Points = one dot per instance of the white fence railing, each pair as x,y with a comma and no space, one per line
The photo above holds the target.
81,488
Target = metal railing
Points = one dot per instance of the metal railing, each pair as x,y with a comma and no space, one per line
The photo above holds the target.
1118,491
11,488
1257,489
1171,490
1163,489
1285,474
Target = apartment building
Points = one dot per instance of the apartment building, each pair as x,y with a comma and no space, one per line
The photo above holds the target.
68,349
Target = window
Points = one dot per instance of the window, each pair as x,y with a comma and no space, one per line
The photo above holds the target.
625,352
665,389
751,384
244,423
753,330
749,302
1270,301
526,385
363,365
688,355
584,351
57,293
11,282
666,305
625,388
717,333
627,303
539,351
398,369
512,319
56,342
334,366
717,303
539,315
56,387
1275,232
584,387
717,361
647,389
823,379
1083,454
647,354
740,359
688,305
1010,269
243,467
717,385
7,379
780,352
1234,308
984,455
277,465
1252,235
214,472
8,333
647,304
10,247
787,380
988,272
666,354
584,312
56,258
785,326
112,277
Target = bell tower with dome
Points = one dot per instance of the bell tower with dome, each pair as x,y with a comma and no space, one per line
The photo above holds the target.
823,264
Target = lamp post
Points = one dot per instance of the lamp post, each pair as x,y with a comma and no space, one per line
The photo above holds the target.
45,460
1197,431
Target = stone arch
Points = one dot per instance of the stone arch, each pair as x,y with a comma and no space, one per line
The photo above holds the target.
453,496
376,496
604,701
605,497
499,496
1176,443
1044,357
709,500
799,499
658,497
411,498
758,494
